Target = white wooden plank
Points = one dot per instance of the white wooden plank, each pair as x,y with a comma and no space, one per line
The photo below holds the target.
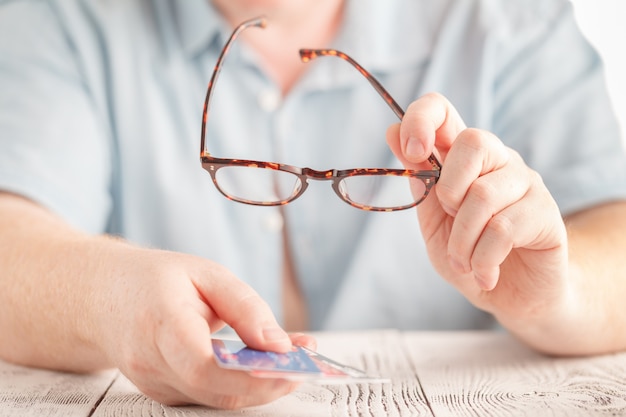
463,374
28,392
379,352
492,374
123,399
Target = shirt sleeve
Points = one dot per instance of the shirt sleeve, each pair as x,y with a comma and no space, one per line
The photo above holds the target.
54,148
551,104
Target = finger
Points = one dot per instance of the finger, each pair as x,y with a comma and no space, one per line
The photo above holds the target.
475,153
534,223
184,341
264,391
307,341
429,121
231,389
237,304
484,202
486,197
183,338
394,143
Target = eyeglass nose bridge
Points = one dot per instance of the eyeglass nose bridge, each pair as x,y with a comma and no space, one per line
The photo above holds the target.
332,175
316,175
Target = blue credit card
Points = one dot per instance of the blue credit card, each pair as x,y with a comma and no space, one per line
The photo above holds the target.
235,354
300,364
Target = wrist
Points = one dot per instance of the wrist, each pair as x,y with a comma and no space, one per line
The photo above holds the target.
97,321
561,325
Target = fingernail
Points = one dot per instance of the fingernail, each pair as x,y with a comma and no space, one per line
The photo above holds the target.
275,335
414,148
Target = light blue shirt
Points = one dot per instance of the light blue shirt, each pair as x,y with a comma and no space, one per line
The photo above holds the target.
100,115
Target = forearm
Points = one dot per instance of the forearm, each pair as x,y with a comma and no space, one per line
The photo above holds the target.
597,243
49,289
588,317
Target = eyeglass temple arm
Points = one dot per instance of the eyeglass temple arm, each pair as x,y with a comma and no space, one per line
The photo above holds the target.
307,55
256,22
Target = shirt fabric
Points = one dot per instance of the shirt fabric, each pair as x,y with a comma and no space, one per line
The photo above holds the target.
100,116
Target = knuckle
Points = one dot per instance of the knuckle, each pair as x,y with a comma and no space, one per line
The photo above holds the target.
484,192
500,228
449,194
473,138
435,96
216,272
515,155
251,305
535,177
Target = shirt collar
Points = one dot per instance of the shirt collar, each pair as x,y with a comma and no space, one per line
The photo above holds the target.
382,36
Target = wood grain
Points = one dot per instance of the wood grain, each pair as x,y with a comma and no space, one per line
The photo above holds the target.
487,374
432,374
30,392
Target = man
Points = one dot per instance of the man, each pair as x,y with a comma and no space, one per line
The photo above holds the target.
101,102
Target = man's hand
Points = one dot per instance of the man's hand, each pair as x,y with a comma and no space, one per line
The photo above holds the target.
77,302
491,227
157,318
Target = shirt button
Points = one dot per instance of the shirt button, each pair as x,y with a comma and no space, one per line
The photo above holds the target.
269,100
273,222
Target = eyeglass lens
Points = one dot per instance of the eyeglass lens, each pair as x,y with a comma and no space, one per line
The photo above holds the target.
263,186
380,191
257,185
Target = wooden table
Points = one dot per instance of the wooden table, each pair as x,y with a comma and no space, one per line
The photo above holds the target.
432,374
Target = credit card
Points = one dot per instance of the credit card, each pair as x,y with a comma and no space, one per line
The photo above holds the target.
300,364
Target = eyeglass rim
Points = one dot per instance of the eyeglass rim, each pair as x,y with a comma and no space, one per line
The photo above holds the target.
212,165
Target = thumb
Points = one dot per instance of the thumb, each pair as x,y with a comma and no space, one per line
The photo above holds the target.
430,125
239,306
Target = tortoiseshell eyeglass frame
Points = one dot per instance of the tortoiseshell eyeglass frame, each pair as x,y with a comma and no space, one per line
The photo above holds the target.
212,164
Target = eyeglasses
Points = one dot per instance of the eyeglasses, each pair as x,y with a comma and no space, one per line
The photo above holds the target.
272,184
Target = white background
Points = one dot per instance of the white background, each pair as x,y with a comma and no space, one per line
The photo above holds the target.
604,24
